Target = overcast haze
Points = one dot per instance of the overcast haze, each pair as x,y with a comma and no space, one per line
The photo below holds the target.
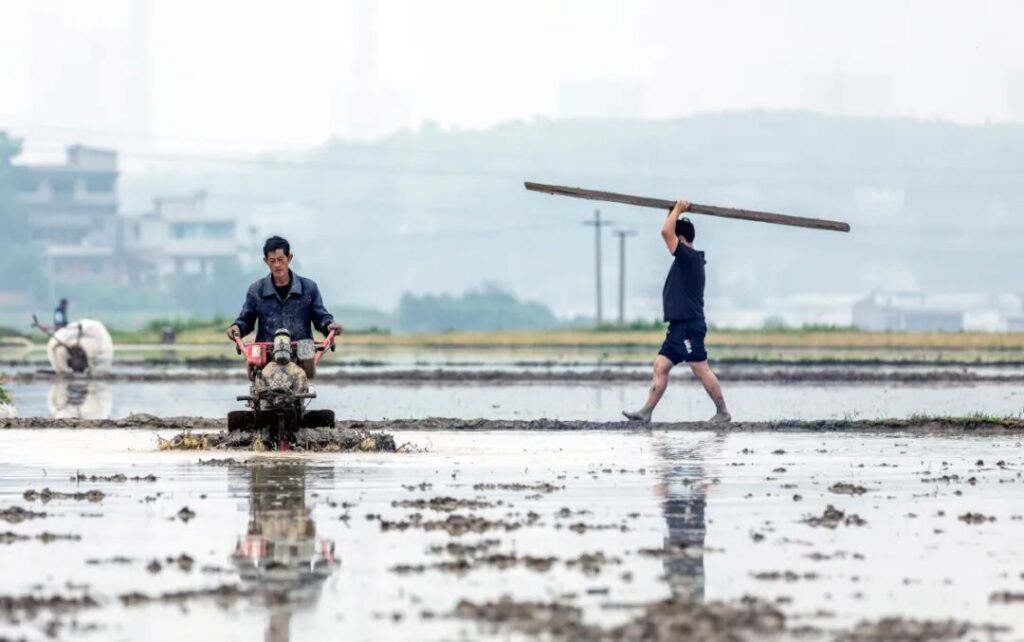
255,73
408,127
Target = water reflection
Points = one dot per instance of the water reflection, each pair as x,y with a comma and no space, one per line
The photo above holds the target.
280,554
80,399
683,488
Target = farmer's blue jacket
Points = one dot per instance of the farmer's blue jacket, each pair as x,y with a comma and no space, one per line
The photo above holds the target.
268,313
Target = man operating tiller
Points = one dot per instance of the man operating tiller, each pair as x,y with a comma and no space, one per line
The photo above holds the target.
683,303
283,300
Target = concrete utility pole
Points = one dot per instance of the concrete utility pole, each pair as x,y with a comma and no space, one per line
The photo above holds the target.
622,234
597,224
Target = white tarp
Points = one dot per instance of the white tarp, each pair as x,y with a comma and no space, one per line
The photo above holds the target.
93,338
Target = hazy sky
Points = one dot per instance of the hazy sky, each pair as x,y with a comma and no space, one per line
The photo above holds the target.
253,73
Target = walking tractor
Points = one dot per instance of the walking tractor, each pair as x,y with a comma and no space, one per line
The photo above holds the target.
279,390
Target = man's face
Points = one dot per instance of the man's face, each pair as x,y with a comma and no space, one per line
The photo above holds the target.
278,263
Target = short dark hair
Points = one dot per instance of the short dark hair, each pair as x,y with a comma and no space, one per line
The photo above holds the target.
275,243
684,228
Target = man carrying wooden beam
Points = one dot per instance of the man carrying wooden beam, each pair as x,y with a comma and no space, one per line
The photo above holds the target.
683,304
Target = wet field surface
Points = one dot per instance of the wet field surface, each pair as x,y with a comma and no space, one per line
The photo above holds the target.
518,528
684,401
587,526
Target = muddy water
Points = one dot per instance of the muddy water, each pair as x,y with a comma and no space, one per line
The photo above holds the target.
684,401
293,535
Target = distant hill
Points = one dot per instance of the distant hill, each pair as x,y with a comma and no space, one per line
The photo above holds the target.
933,205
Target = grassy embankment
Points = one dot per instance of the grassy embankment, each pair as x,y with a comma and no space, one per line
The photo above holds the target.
746,345
821,345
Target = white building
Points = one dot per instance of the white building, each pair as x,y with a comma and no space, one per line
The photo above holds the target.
905,311
177,238
69,202
72,211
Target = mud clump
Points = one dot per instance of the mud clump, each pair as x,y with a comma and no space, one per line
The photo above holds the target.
30,605
467,557
184,562
833,517
581,527
306,439
343,440
138,421
46,537
592,563
442,504
673,619
559,621
844,488
225,594
463,565
897,629
531,618
541,487
455,525
118,559
784,576
184,441
17,514
975,518
456,549
115,478
668,552
227,462
46,495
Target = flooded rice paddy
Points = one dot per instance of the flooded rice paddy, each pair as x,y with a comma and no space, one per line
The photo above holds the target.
684,401
618,534
386,546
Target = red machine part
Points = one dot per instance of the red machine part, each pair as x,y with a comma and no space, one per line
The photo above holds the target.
258,354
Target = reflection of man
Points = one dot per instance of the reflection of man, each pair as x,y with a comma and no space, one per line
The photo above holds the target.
683,503
280,551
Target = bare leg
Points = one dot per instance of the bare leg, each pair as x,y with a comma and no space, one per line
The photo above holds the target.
662,366
714,389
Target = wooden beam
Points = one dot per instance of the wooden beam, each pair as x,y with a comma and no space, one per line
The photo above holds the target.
710,210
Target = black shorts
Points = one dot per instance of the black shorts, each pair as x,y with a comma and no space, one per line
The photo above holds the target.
684,341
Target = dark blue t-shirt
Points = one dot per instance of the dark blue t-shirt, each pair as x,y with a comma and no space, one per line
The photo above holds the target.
683,295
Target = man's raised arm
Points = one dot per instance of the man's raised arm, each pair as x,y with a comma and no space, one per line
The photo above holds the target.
668,228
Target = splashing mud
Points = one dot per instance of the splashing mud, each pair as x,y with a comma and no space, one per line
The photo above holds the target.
306,439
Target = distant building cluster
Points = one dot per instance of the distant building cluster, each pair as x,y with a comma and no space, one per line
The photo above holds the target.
905,312
74,218
880,311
